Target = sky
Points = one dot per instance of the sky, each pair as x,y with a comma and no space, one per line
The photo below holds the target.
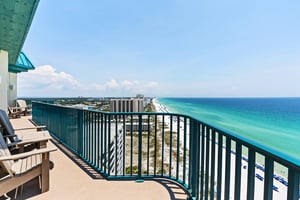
163,48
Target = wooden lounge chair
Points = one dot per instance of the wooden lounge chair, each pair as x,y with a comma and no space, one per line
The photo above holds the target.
21,168
14,112
23,106
37,138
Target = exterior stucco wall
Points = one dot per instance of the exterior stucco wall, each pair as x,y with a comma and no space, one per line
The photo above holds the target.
3,79
12,89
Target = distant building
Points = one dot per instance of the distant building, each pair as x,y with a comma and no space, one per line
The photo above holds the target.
139,96
127,105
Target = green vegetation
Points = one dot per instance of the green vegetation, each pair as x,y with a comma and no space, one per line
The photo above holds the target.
94,103
134,170
150,108
159,171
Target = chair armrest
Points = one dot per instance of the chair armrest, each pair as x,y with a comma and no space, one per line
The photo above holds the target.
31,141
28,128
17,140
6,136
28,154
40,136
34,138
12,144
15,108
22,107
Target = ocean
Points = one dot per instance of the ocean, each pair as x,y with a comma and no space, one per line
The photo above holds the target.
272,122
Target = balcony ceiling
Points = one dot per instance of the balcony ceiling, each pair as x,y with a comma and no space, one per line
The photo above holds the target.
15,20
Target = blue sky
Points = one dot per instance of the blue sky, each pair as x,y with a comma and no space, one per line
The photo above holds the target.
164,48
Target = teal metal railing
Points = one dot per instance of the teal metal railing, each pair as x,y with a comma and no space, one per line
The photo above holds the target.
208,161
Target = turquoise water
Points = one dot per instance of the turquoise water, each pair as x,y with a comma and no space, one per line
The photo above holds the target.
272,122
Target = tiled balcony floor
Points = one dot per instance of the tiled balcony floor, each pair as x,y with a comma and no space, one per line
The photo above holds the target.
73,179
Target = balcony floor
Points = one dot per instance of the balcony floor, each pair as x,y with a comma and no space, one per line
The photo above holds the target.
72,179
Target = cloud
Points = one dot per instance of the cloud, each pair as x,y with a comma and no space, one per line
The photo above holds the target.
112,84
46,81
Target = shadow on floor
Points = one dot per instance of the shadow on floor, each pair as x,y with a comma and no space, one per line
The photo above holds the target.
176,191
78,161
28,190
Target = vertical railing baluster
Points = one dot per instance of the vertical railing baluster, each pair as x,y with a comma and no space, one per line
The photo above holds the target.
197,143
80,132
155,143
98,141
148,143
268,184
109,144
84,137
124,144
227,168
220,165
93,138
170,150
88,139
184,151
58,120
207,160
162,145
178,148
105,145
194,158
213,160
116,144
293,192
101,142
140,131
251,174
131,144
91,121
190,130
238,167
202,146
87,136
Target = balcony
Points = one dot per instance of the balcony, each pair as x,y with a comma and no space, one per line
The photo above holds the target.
72,178
206,161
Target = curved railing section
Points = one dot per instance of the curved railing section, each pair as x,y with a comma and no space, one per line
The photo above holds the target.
209,162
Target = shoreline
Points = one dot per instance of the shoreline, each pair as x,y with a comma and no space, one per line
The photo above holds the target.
279,179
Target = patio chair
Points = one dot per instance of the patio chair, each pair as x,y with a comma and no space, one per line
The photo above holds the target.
14,112
23,106
21,168
37,139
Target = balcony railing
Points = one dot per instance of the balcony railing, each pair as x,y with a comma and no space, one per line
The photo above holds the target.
209,162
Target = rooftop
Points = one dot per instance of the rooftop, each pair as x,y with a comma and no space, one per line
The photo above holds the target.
71,178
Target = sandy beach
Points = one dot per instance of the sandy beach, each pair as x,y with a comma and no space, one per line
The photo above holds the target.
279,183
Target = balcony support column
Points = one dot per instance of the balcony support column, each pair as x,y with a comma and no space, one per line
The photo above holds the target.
3,79
12,89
